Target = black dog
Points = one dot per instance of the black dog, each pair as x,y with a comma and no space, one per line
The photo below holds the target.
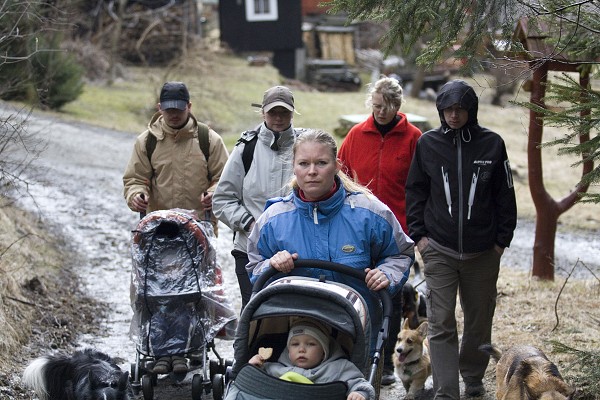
410,299
413,302
86,375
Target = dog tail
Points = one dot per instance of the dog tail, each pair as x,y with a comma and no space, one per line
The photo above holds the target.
34,377
417,269
49,376
491,350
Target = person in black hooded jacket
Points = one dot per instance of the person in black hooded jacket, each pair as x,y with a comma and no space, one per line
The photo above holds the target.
461,212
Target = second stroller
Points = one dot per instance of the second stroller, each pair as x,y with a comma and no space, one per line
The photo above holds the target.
179,305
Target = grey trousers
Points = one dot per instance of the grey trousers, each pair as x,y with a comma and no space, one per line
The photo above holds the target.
474,280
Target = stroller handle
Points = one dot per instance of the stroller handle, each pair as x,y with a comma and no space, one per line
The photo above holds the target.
384,295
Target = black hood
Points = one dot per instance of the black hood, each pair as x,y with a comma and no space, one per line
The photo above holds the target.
458,92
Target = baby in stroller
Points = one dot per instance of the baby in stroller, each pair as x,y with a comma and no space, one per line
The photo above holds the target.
312,357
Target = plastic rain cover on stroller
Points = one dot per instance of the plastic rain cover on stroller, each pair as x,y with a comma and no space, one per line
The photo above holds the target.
178,301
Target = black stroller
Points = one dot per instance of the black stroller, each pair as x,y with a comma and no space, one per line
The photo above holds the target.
179,305
265,322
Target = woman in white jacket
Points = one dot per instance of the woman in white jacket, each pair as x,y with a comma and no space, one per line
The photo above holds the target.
242,192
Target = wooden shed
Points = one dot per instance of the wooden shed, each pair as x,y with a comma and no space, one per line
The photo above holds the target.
336,43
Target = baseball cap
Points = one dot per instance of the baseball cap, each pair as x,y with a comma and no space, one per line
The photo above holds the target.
278,96
307,328
174,95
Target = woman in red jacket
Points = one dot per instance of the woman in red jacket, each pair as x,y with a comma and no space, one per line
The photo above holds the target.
377,153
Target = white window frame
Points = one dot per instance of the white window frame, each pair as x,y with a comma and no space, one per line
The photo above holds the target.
252,14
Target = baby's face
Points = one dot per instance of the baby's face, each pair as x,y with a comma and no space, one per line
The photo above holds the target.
305,351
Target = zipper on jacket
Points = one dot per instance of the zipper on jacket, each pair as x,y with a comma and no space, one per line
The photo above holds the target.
472,191
447,190
315,217
460,199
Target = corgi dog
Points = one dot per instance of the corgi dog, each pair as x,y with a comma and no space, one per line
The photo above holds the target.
411,358
524,372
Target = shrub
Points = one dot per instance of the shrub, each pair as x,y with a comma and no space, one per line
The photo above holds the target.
57,78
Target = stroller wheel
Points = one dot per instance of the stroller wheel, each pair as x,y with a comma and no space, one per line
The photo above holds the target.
197,387
147,387
214,368
134,379
218,386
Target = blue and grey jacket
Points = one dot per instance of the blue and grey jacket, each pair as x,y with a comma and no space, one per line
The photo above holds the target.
460,190
348,228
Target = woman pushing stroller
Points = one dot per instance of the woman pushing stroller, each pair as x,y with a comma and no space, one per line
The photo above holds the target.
329,217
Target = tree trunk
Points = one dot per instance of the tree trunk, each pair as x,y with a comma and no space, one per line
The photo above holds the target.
546,218
547,209
543,244
185,21
418,79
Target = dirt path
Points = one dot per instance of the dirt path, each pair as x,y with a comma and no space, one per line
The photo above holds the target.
80,195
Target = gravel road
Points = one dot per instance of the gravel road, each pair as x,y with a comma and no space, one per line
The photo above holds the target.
79,194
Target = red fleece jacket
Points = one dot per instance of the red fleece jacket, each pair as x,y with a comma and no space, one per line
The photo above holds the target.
381,163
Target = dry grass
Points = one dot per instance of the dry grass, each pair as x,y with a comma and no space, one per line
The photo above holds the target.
20,261
41,303
530,311
537,313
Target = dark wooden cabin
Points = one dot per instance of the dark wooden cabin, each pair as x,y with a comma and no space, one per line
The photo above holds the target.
264,25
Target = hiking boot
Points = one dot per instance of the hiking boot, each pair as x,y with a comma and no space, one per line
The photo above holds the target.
162,366
474,389
179,365
388,377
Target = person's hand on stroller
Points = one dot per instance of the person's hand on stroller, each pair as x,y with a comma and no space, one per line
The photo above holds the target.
283,261
376,279
206,200
139,202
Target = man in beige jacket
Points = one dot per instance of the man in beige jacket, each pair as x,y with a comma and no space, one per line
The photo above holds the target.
178,175
173,171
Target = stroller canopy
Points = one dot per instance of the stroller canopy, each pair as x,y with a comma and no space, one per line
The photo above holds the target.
265,321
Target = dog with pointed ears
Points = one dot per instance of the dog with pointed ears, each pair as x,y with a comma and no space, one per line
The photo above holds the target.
411,358
525,373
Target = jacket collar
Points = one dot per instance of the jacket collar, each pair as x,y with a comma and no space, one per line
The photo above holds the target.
370,126
326,208
159,128
286,138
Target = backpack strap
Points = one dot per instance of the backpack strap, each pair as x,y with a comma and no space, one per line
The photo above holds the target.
249,138
203,142
150,146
